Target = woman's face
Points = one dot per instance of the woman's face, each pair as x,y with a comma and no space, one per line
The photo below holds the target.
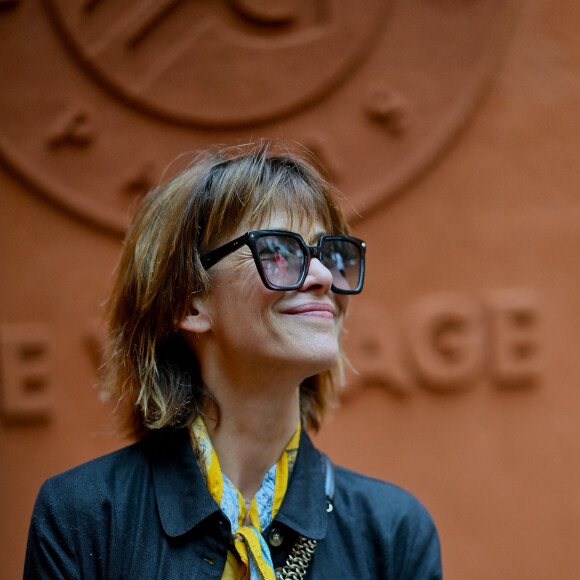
259,330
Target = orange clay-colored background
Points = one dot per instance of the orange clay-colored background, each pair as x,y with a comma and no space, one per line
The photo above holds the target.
452,128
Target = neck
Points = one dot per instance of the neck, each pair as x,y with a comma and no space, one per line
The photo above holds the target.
259,410
254,429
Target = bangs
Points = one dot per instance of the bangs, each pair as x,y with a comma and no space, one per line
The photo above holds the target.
251,189
303,206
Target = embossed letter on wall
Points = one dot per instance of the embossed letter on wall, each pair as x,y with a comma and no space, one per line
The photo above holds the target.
25,372
448,342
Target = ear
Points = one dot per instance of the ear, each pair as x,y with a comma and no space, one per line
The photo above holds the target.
198,321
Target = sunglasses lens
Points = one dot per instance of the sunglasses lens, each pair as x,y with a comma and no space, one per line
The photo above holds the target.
282,259
343,259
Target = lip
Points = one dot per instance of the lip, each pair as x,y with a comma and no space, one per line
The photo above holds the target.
315,309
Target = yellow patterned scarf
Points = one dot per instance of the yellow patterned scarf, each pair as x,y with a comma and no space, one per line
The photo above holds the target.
252,560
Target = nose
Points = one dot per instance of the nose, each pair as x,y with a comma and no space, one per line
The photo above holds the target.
319,277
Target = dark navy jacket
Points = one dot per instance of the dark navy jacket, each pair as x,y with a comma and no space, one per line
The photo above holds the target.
145,512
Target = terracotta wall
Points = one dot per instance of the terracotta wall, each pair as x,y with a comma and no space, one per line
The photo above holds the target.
452,129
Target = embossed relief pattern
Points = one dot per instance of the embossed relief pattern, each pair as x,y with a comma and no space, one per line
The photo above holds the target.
110,92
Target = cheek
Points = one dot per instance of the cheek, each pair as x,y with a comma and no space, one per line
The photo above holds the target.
342,305
251,299
342,302
235,282
255,294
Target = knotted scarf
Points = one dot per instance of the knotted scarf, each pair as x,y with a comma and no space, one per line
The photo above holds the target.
252,560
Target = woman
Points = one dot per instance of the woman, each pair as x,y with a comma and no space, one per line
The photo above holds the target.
224,347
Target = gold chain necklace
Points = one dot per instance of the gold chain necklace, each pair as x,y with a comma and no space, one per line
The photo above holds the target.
298,560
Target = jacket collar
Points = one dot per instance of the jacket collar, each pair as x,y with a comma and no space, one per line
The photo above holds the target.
183,500
304,506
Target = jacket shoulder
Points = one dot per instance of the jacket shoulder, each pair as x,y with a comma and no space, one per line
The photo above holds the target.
93,487
74,514
383,497
405,541
102,472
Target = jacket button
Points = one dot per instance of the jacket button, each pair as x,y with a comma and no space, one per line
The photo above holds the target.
276,538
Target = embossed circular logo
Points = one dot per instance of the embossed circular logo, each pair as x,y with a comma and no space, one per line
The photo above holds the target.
220,64
98,96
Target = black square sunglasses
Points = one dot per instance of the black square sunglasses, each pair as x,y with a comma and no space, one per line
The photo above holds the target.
283,258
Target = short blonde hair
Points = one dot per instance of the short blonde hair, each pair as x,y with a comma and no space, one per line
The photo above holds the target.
150,370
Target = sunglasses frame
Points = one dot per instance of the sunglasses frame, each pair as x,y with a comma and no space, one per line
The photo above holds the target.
250,239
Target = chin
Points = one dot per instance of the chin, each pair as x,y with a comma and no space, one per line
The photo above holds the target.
322,359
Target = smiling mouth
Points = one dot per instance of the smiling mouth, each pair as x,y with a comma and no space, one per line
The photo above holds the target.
315,310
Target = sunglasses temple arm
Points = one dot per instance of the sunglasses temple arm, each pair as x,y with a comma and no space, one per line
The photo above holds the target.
211,258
